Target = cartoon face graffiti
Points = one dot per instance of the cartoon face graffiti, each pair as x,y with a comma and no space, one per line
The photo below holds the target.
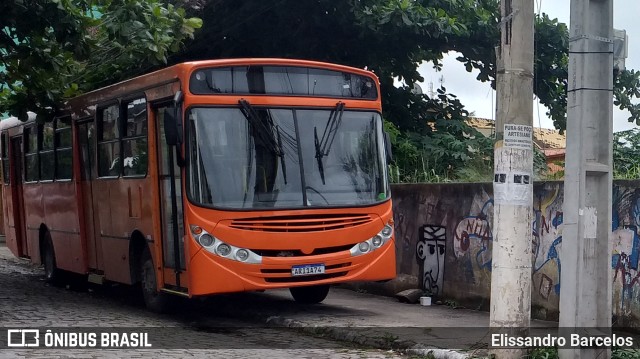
430,250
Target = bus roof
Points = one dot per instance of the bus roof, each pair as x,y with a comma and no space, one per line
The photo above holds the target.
278,61
177,70
174,73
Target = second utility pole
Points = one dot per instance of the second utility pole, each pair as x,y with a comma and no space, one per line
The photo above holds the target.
513,175
586,277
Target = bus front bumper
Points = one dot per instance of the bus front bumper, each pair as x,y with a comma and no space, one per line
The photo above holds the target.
210,274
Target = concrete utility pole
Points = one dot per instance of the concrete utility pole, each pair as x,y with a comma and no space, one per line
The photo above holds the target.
513,180
585,292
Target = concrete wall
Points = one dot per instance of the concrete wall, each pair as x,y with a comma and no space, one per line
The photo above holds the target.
444,237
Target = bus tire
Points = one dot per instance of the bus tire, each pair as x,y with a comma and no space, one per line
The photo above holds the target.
310,295
153,299
52,274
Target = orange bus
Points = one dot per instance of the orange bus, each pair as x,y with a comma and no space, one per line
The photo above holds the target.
208,177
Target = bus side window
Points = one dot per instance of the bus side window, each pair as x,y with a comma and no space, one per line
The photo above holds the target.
32,168
86,134
134,142
45,139
5,158
109,142
63,153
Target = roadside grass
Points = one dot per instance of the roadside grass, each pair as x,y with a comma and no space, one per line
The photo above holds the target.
552,353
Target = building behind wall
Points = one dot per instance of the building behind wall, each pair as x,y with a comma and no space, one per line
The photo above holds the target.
549,141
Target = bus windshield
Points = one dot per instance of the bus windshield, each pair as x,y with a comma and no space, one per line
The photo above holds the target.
246,157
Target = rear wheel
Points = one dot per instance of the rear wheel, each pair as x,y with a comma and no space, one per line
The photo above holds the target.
51,272
310,295
153,299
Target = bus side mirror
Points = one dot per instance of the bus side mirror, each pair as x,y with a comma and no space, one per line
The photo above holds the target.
173,121
170,127
387,147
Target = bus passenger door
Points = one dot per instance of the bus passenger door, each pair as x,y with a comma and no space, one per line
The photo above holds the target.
86,139
170,242
16,215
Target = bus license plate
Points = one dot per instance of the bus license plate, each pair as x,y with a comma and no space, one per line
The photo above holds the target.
308,269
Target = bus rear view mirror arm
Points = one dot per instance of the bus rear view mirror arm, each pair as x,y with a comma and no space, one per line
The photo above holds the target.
173,128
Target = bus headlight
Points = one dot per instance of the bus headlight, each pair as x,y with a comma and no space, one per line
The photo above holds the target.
206,240
242,255
387,231
223,249
220,248
374,242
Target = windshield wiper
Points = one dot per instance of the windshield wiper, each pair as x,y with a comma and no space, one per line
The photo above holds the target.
323,145
282,161
265,132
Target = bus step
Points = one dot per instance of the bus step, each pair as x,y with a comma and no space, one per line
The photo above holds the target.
96,278
183,294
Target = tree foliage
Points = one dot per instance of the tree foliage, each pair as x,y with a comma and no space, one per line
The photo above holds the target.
626,154
476,42
55,49
388,37
391,37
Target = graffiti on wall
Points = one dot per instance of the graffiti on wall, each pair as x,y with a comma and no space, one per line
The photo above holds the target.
625,261
546,242
472,238
461,217
626,251
431,254
404,230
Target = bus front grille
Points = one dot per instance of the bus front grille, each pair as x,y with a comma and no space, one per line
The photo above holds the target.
301,223
298,253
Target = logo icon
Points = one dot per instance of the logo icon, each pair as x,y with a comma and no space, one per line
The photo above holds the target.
22,338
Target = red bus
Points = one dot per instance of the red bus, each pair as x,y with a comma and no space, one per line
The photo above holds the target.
208,177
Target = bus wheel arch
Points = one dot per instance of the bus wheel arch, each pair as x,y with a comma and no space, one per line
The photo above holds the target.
143,272
52,273
137,245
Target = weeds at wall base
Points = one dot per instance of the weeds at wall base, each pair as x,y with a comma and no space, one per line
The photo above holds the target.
552,353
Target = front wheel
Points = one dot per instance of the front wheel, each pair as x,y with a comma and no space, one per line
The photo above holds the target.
51,272
310,295
153,299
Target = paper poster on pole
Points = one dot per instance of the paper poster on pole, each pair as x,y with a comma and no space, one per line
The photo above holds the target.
513,189
518,136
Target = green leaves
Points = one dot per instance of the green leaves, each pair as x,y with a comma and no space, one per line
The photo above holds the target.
193,22
626,154
626,88
550,67
56,49
441,146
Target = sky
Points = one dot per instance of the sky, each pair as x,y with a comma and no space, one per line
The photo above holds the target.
479,98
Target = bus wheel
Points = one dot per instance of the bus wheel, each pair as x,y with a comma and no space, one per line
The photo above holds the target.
310,295
153,299
51,272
